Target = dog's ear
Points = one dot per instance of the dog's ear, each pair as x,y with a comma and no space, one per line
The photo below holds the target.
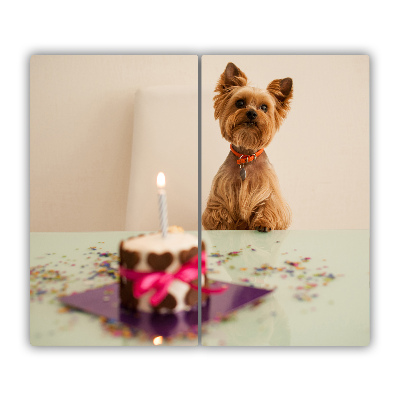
282,90
230,78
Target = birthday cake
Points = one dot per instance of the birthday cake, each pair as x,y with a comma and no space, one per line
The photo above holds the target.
160,274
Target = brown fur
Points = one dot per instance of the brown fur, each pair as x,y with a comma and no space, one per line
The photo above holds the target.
256,202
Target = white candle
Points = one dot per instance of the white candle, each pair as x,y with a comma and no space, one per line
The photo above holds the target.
162,203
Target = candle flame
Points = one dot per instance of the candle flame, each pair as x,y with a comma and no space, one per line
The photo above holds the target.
160,180
157,340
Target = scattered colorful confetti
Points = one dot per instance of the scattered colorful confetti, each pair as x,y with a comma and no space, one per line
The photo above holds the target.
117,329
311,280
105,269
107,254
48,281
215,255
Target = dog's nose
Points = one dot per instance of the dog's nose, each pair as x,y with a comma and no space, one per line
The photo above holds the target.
251,114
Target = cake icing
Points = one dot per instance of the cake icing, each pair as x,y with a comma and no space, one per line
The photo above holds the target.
173,243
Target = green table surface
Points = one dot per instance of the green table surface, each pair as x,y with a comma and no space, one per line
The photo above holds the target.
321,282
64,263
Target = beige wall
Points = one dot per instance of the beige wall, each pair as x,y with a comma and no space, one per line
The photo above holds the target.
82,117
321,153
81,127
167,142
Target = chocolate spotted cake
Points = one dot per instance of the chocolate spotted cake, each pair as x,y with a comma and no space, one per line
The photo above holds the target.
160,273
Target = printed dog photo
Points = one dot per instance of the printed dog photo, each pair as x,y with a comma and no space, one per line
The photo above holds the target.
285,196
108,197
245,193
307,116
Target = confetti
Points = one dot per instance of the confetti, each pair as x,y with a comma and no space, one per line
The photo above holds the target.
215,255
106,254
49,281
118,329
311,279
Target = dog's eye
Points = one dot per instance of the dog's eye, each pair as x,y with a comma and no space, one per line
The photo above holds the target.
240,104
264,108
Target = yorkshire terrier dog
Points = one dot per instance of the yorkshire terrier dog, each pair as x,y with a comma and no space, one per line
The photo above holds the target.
245,193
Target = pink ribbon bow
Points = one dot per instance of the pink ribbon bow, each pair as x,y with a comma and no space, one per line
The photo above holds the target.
160,281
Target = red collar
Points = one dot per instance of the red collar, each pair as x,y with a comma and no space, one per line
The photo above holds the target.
245,158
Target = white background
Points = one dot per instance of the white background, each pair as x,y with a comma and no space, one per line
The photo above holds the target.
307,27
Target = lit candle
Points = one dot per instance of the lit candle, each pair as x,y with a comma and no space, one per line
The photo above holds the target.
162,203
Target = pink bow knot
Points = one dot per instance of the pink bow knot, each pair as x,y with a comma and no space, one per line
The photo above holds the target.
160,281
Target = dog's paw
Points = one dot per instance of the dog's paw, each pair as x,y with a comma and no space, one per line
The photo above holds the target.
262,229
